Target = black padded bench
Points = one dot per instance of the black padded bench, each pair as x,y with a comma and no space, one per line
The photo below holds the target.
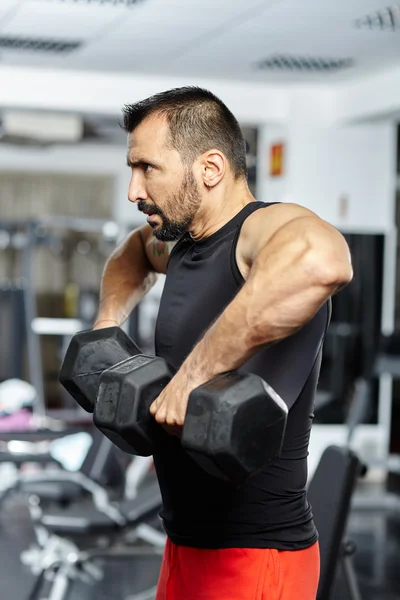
104,467
330,493
85,519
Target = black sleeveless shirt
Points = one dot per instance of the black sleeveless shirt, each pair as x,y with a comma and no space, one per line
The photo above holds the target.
269,510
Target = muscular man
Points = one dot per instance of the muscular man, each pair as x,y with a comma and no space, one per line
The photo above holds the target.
248,286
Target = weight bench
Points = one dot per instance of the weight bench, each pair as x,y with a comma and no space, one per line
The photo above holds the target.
103,467
69,539
330,494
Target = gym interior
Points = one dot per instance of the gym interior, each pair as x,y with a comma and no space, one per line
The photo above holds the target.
315,87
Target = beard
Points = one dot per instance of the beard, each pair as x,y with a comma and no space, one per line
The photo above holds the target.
184,205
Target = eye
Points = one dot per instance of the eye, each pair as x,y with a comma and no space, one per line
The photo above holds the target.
147,168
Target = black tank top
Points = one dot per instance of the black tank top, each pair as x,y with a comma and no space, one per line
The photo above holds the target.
269,510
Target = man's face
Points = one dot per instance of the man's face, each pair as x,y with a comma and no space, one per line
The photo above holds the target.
163,188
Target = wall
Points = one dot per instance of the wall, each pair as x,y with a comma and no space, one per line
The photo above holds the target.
364,98
373,97
105,93
344,174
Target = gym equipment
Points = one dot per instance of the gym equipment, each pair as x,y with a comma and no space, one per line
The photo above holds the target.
70,541
104,466
88,355
234,424
330,493
122,409
19,240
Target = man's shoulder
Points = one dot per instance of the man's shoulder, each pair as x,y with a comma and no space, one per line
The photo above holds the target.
272,216
263,223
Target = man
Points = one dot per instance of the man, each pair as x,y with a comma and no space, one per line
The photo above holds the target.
248,286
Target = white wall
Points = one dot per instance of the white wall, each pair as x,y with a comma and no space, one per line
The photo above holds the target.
374,97
105,93
344,174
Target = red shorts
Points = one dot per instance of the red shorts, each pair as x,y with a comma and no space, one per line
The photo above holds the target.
238,574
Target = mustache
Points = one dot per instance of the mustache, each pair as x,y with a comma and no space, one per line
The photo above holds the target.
148,208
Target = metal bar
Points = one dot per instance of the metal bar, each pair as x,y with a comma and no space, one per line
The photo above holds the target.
61,583
56,326
35,365
350,578
149,594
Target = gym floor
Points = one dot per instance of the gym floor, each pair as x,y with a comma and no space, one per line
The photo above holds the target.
376,562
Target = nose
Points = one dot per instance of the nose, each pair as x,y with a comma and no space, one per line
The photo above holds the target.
137,189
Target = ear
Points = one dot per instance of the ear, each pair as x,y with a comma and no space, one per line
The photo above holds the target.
213,168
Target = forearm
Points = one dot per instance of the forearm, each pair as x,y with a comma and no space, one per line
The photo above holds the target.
283,292
126,278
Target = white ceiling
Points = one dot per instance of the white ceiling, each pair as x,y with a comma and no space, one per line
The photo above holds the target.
207,38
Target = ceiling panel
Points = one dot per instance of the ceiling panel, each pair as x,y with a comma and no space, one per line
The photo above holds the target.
172,25
6,8
295,29
148,39
188,37
41,18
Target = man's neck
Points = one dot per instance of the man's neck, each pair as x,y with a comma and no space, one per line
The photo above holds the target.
218,212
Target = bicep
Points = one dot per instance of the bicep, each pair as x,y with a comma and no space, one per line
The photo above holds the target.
157,252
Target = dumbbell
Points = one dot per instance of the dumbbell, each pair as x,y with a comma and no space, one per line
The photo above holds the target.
234,424
89,353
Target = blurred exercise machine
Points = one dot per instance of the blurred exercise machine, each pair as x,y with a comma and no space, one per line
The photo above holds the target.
21,326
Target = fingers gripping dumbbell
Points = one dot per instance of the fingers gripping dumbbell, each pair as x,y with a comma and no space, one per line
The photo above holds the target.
234,424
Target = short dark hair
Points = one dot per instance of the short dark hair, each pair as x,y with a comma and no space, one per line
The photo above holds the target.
198,121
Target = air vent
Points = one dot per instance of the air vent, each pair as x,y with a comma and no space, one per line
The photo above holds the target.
387,19
38,45
304,64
